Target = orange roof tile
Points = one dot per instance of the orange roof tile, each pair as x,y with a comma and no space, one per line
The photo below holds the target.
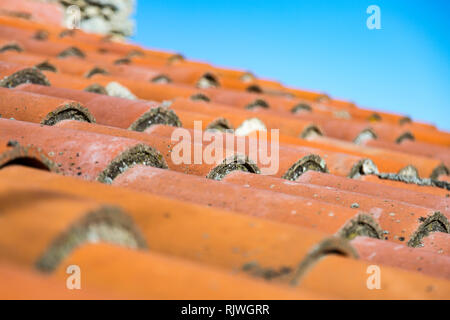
55,224
83,154
22,284
387,253
152,276
401,222
121,113
316,214
43,12
438,242
354,277
377,190
39,108
12,153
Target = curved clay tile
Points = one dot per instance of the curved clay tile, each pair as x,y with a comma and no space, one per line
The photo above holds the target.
39,108
377,190
358,131
83,154
11,75
121,113
333,273
148,90
22,284
386,253
407,218
29,60
316,96
434,137
9,46
415,148
61,80
42,12
55,224
301,211
24,24
155,276
12,153
70,65
437,242
191,119
441,192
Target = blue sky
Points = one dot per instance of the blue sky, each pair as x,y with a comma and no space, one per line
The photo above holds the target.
319,45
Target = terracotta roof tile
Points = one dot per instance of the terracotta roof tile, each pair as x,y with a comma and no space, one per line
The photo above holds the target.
121,113
83,154
442,192
97,118
415,148
316,214
54,224
21,284
61,80
12,153
353,276
39,108
208,122
399,221
438,242
377,190
152,276
9,45
49,13
11,75
387,253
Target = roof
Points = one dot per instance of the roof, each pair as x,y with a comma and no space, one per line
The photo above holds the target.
89,129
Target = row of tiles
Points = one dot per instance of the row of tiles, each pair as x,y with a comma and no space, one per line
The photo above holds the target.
49,105
429,142
224,247
74,147
112,155
327,119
